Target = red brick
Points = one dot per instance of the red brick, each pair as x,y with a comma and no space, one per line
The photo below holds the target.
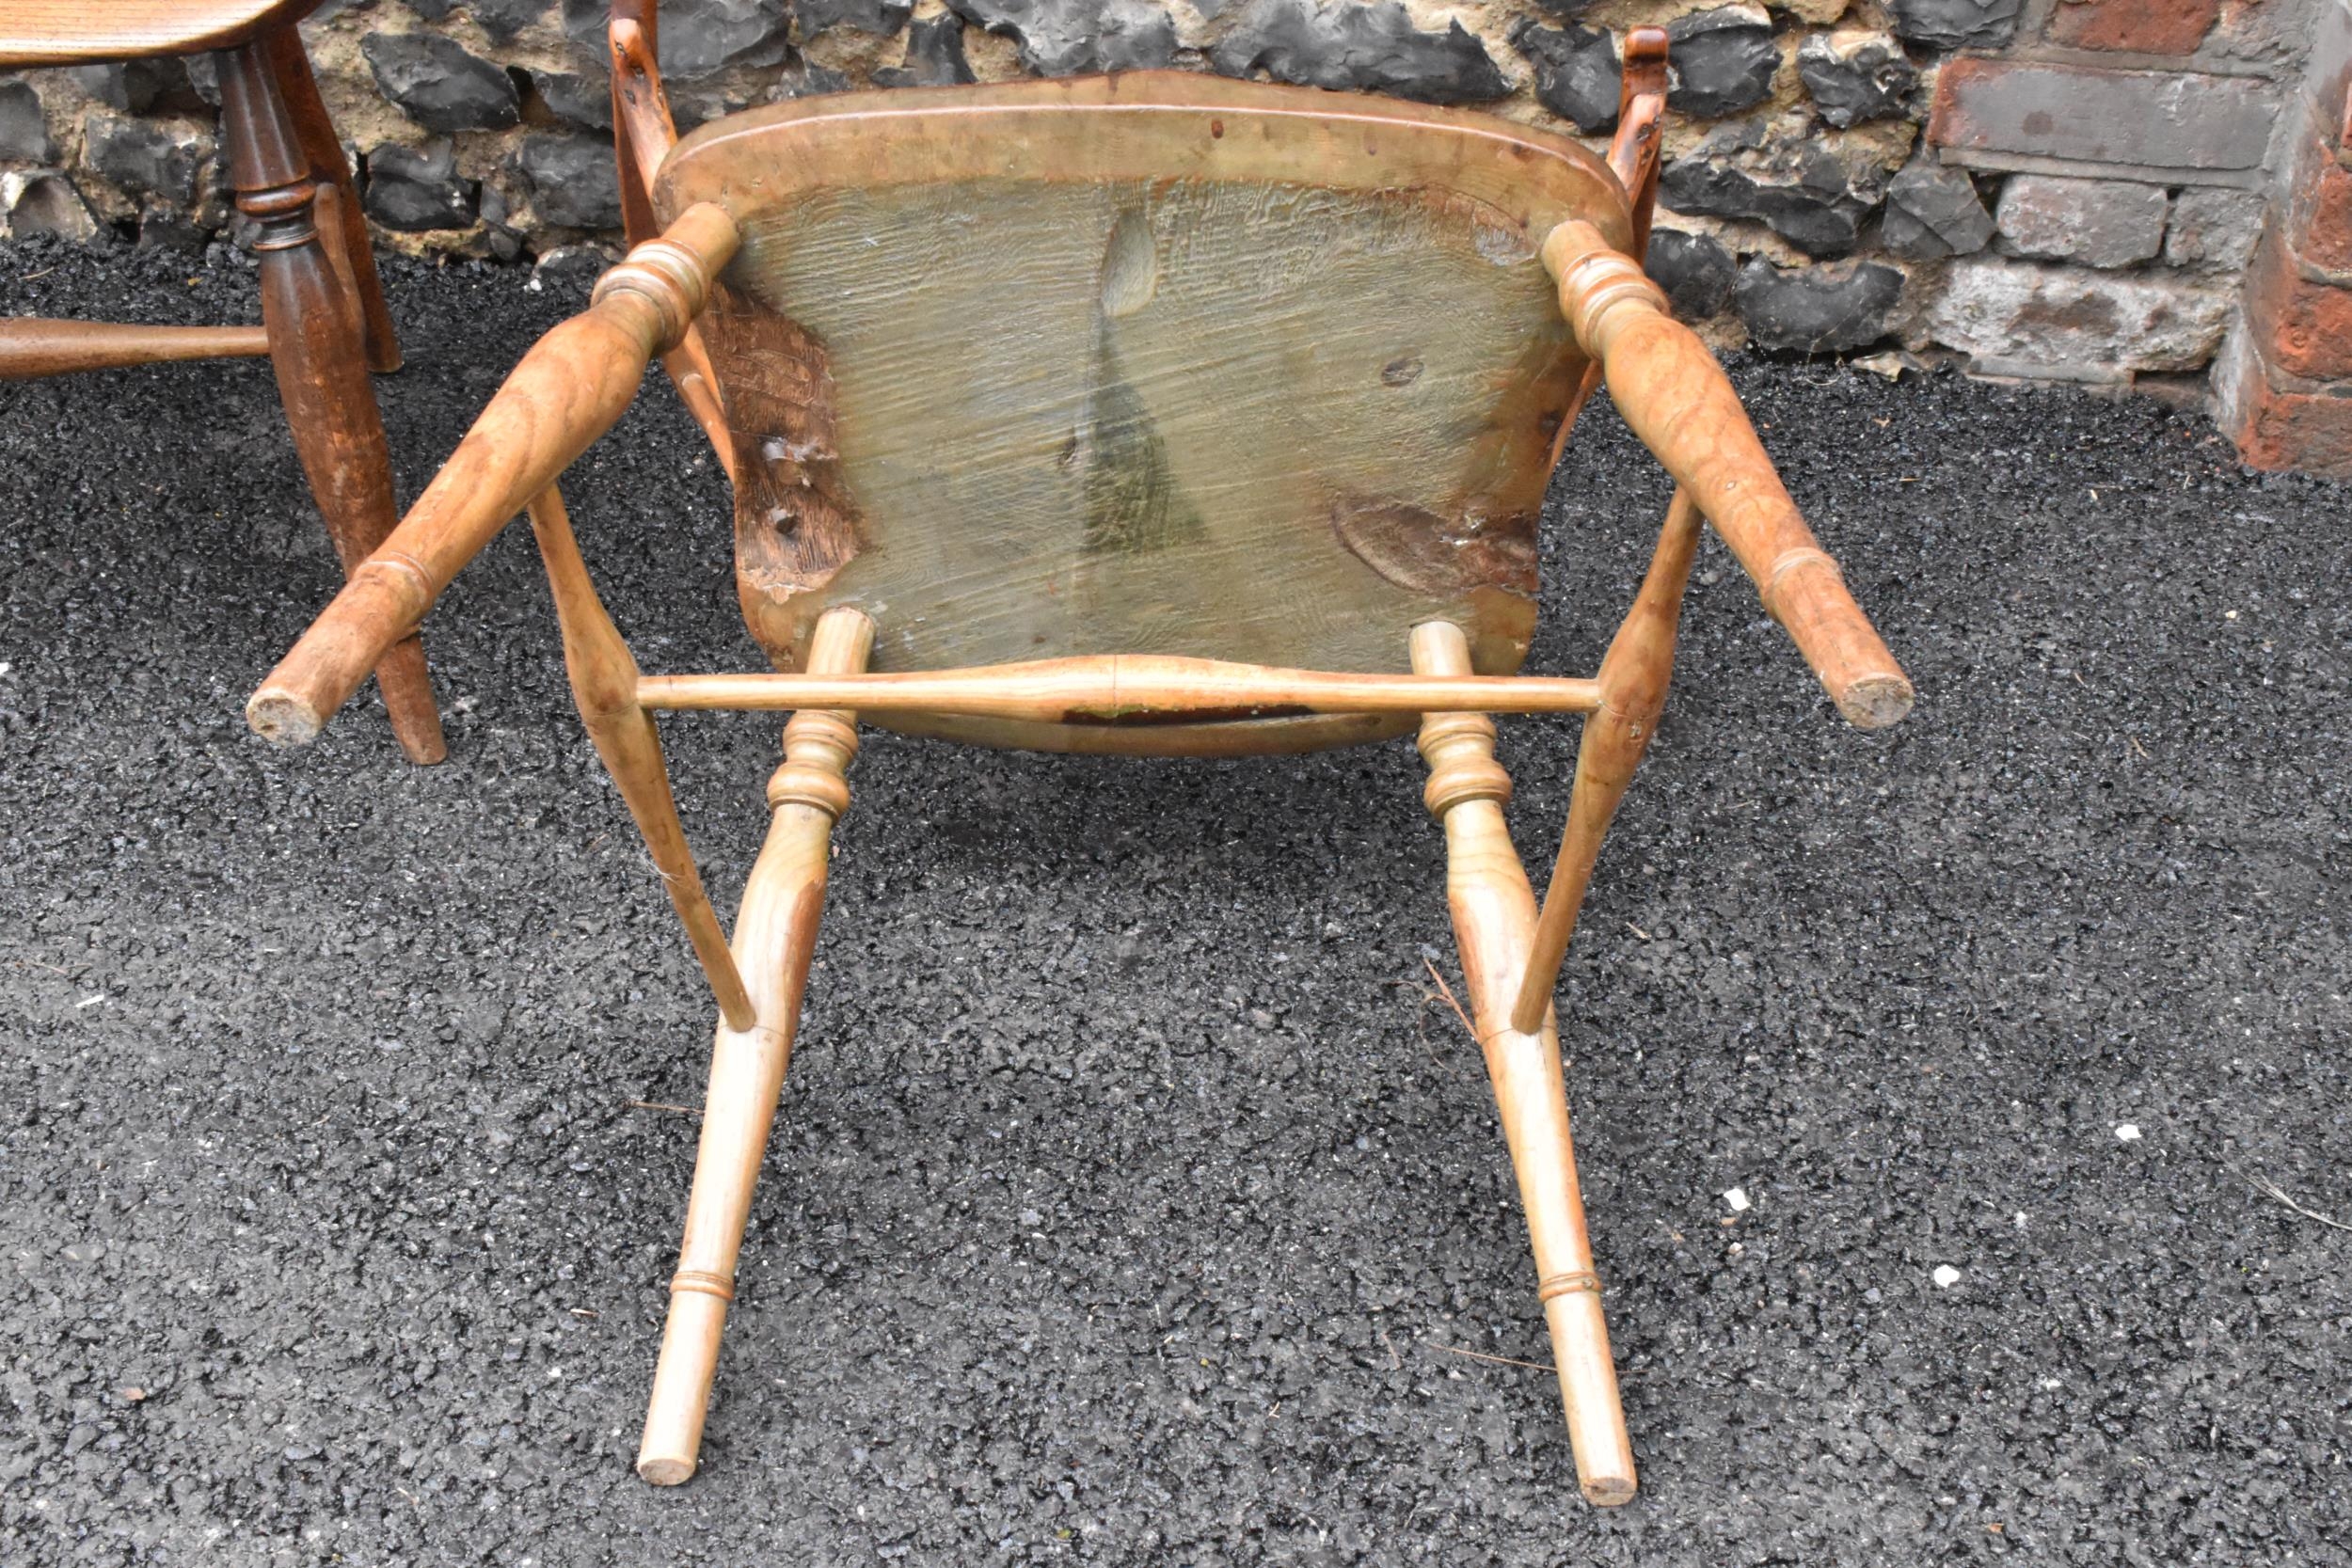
2304,327
2280,423
1995,112
2143,26
2319,206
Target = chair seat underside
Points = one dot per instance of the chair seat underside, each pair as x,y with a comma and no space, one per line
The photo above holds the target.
1034,409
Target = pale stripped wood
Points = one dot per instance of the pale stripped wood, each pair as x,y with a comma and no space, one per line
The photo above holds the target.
1494,916
1159,364
775,934
604,685
567,390
1678,400
1633,677
1120,689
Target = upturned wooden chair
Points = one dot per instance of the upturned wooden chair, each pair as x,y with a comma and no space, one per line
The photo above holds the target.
324,322
1152,414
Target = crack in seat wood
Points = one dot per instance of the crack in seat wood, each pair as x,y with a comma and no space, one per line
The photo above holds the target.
1152,414
323,321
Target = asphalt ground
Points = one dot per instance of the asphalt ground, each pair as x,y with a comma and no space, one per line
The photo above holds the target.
1134,1199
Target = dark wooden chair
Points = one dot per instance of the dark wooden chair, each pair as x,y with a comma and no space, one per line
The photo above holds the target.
323,322
1154,414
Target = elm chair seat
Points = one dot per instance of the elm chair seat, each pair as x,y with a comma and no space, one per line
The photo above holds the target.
81,32
1156,362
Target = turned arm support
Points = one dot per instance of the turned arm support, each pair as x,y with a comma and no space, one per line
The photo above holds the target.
567,391
1678,400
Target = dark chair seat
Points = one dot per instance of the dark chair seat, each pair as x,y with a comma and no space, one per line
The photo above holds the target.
76,32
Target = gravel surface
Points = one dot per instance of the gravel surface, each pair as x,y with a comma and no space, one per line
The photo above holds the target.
1132,1201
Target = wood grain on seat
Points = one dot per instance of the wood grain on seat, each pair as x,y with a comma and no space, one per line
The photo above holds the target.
1164,364
73,32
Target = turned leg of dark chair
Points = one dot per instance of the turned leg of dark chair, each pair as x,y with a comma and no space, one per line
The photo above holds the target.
317,342
341,220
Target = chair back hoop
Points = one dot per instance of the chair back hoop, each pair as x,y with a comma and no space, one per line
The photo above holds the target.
1157,363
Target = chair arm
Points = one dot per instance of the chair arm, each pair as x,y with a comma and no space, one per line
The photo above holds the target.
567,391
1678,400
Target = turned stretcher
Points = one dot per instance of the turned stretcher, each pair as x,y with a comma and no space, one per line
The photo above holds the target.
1155,414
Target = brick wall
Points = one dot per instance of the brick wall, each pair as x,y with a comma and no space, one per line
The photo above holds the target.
2064,189
2283,385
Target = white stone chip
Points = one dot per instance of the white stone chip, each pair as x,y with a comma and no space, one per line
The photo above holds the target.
1946,1276
2127,1133
1738,1198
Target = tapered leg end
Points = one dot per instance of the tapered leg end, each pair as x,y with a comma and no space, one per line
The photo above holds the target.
1588,1390
669,1470
681,1386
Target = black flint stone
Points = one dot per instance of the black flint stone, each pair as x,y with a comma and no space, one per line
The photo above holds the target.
1374,47
439,83
880,16
1064,38
144,159
573,182
1956,23
204,77
48,204
24,129
698,36
1722,62
934,57
415,191
1578,74
503,19
133,85
1809,204
803,80
1933,211
579,97
1818,309
1697,273
1873,82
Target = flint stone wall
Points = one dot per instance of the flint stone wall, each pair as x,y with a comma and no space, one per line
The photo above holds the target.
2052,188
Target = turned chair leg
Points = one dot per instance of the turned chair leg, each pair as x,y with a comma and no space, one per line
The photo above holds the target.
318,345
775,934
342,223
1494,918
